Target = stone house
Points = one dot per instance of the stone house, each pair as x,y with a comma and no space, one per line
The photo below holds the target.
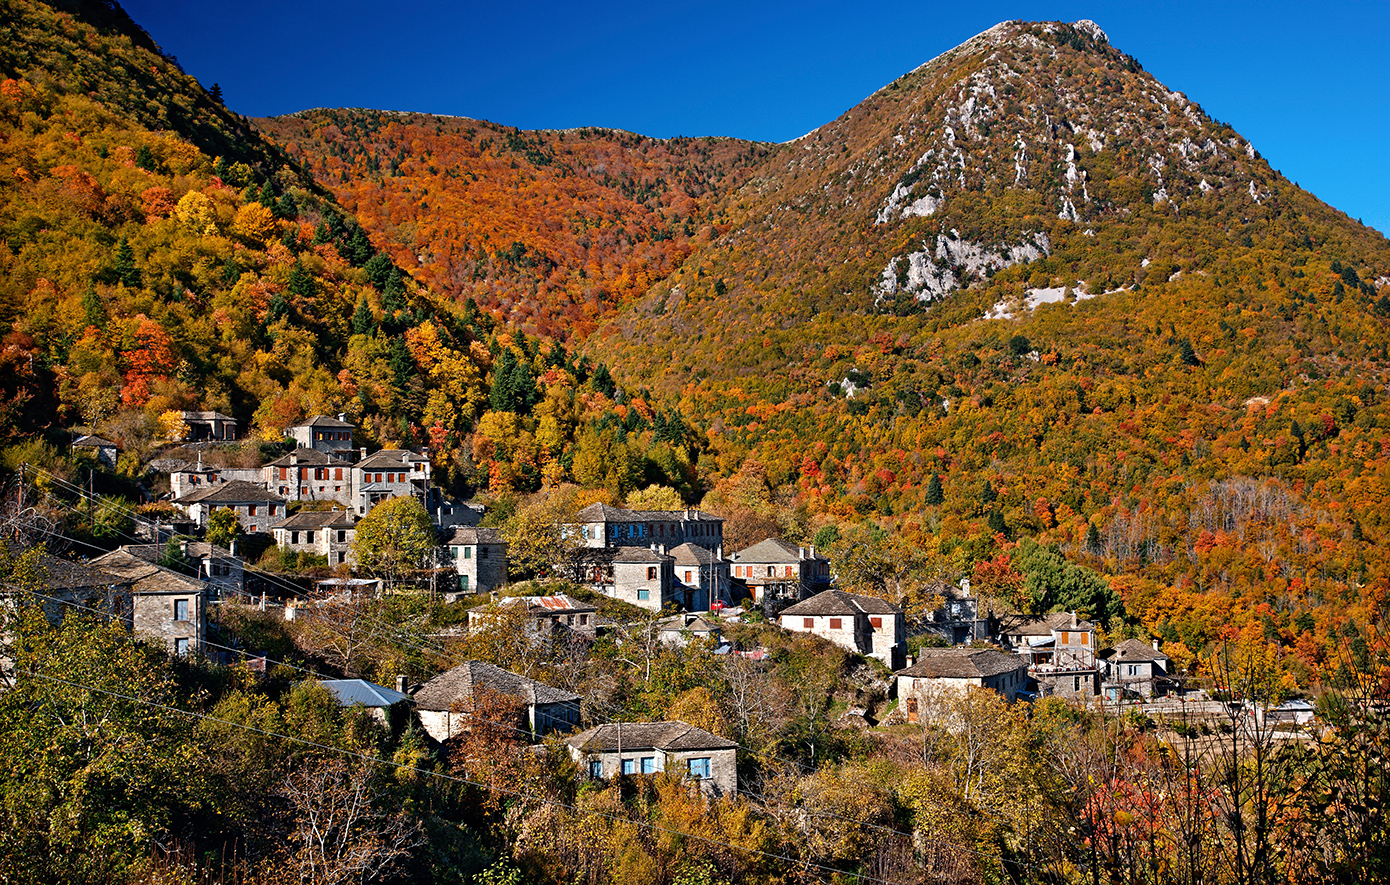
774,571
864,625
67,586
600,525
555,611
330,436
326,533
208,426
681,629
479,558
446,703
309,475
615,748
384,704
390,473
103,449
642,577
702,576
167,608
220,569
1134,667
256,508
939,672
1060,650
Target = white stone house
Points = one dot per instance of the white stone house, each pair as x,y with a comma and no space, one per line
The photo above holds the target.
168,608
446,703
479,558
776,571
389,473
326,533
332,436
309,475
940,672
865,625
632,748
256,508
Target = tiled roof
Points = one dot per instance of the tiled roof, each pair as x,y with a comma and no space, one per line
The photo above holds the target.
963,663
235,492
196,550
648,736
317,519
360,691
302,457
64,574
607,513
774,550
1133,650
693,623
1045,625
389,459
457,686
838,602
467,534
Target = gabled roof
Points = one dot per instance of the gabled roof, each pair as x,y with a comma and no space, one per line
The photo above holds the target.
317,519
144,577
302,457
1047,624
360,691
206,416
670,736
388,459
196,550
94,442
608,513
64,574
639,554
838,602
472,535
325,421
693,623
775,550
458,684
963,663
694,554
237,491
1133,650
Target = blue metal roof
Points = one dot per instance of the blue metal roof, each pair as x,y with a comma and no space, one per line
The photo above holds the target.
360,691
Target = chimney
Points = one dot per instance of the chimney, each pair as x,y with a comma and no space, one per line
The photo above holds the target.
400,683
813,551
1155,644
342,416
200,460
183,546
363,456
294,458
801,553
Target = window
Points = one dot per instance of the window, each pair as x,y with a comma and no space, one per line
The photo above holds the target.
583,620
338,473
808,623
651,573
876,623
698,767
303,491
595,768
272,512
467,552
629,766
254,528
1131,669
482,553
181,647
180,609
294,537
648,764
251,510
772,571
687,576
284,473
463,582
644,595
836,624
342,536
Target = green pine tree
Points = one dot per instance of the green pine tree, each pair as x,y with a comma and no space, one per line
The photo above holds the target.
363,323
935,494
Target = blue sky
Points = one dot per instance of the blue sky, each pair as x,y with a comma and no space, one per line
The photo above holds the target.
1306,83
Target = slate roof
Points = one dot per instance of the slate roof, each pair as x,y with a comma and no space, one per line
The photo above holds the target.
694,623
317,519
607,513
325,421
670,736
389,459
206,416
360,691
144,577
694,554
639,554
467,534
963,663
303,457
838,602
64,574
196,550
1045,625
458,684
95,442
774,550
1133,650
237,491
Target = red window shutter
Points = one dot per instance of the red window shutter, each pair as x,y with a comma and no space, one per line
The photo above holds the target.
835,624
876,623
808,623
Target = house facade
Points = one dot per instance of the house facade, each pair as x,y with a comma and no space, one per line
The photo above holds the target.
642,577
702,576
865,625
628,748
942,672
167,608
447,702
479,558
208,426
309,475
600,525
1060,649
326,533
390,473
775,572
1134,667
330,436
256,508
554,611
221,570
